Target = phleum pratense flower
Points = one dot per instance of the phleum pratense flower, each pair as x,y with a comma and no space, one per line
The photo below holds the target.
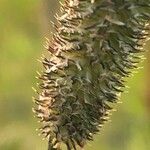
96,45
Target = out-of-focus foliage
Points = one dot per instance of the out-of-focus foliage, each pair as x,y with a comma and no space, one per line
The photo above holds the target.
23,26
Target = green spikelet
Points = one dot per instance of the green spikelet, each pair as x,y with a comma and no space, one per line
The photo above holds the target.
96,45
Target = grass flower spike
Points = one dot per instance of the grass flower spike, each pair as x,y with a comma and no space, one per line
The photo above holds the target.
96,45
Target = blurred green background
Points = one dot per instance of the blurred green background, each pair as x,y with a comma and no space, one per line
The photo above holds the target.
23,26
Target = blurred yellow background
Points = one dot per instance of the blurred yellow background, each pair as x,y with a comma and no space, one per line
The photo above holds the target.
23,26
